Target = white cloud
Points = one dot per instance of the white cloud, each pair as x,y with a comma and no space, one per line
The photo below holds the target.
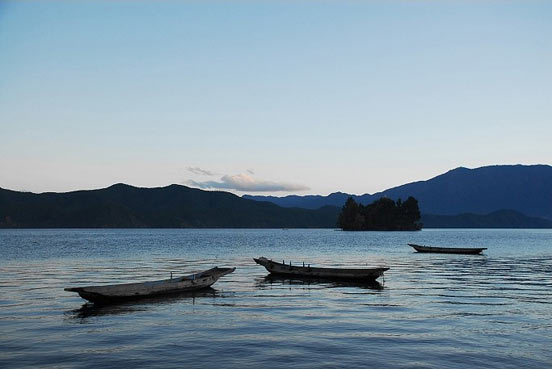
197,170
246,183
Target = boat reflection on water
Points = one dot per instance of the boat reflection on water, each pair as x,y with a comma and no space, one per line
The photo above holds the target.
142,304
274,279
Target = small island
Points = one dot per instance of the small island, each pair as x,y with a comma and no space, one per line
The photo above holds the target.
381,215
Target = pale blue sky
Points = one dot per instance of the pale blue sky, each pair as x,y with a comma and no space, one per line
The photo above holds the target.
309,96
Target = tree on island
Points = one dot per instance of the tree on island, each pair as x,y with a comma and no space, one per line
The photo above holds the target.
381,215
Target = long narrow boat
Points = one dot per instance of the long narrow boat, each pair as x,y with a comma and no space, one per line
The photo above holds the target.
308,271
120,292
448,250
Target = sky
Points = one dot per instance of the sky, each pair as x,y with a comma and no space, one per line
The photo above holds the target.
270,97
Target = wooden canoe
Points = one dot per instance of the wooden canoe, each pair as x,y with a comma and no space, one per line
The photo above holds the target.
308,271
447,250
127,291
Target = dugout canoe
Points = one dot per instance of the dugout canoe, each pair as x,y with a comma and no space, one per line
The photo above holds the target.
128,291
448,250
313,272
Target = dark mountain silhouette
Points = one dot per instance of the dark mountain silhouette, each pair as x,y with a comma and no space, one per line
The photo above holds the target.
496,219
523,188
175,206
310,201
526,190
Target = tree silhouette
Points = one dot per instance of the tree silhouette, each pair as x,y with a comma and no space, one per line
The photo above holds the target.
382,215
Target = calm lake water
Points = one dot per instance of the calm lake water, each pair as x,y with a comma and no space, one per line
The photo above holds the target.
430,311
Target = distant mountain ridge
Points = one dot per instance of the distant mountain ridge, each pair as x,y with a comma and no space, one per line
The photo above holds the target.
174,206
523,188
311,201
466,198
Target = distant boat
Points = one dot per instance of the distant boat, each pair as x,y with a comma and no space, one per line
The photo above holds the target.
128,291
448,250
308,271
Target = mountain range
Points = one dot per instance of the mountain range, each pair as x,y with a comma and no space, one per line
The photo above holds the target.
174,206
526,189
490,197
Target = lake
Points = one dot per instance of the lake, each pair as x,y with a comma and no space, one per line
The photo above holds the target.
429,311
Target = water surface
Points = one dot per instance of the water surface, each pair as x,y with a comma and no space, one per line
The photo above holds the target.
430,311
